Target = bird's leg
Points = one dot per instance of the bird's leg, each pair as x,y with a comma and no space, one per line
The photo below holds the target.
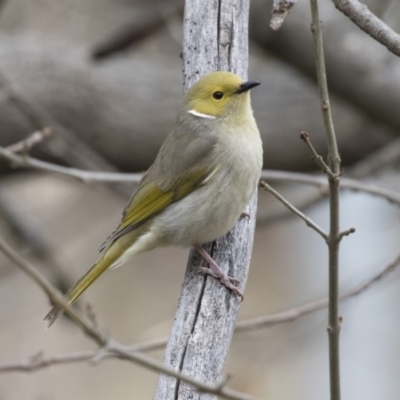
217,273
244,214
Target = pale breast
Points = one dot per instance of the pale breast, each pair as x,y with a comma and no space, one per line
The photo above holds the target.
212,210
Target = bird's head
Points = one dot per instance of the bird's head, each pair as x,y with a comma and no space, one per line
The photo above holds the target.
219,95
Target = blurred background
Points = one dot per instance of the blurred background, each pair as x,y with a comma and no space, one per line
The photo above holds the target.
107,75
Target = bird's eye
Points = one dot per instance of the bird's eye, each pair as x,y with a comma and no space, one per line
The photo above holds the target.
218,95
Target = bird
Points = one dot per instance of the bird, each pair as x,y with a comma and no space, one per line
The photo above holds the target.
200,182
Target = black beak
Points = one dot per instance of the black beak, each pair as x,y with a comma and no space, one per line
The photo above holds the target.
245,86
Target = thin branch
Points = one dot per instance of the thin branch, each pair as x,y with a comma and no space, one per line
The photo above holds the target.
83,175
305,137
139,358
292,208
384,156
24,146
334,193
370,24
53,294
39,361
270,175
109,345
320,182
333,152
347,232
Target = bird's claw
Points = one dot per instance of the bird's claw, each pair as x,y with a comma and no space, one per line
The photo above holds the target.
226,280
244,215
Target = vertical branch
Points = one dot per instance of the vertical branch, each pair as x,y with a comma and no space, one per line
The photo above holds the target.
334,232
215,38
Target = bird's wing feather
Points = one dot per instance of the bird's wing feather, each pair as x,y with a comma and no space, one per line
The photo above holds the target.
150,199
169,179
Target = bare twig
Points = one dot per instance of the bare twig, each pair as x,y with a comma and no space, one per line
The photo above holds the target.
334,192
370,23
280,9
270,216
85,176
139,358
347,232
288,205
53,294
25,145
116,350
109,345
384,156
305,137
270,175
320,182
39,361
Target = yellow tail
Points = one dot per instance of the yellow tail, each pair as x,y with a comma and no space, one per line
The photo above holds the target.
109,257
76,290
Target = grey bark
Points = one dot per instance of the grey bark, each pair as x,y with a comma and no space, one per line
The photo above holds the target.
215,38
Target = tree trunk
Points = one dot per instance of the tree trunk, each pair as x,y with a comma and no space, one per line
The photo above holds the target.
215,38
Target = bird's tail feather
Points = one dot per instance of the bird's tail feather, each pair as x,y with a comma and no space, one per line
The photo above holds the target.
110,256
116,253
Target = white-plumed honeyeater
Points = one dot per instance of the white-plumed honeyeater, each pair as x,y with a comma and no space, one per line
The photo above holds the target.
198,186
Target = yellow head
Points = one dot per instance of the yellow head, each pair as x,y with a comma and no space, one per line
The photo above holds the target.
219,94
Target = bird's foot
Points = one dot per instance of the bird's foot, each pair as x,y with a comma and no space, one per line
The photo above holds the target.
216,272
228,281
244,215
